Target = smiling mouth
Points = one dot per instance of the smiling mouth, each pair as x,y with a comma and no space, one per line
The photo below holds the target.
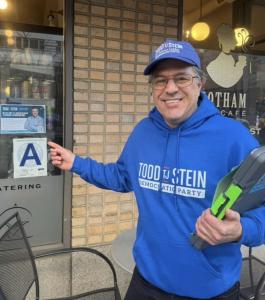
171,100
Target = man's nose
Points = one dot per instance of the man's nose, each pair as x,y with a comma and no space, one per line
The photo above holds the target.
171,87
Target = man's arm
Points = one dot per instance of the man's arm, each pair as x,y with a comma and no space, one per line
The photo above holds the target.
253,224
111,176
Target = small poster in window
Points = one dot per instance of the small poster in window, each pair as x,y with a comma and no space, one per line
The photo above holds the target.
30,157
22,119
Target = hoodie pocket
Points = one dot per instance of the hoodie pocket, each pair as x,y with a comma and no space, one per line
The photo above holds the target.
205,262
176,268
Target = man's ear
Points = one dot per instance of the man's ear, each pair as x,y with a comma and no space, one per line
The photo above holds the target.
201,83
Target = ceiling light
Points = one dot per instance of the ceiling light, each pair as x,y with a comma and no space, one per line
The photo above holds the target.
10,41
3,4
187,34
200,30
241,35
9,32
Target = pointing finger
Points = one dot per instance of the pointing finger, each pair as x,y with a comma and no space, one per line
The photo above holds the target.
54,145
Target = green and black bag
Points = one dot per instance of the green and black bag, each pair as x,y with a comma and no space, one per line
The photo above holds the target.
241,190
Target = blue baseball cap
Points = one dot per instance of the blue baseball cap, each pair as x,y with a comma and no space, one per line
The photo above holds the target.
172,49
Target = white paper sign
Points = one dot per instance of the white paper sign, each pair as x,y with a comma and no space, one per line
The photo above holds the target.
22,119
30,157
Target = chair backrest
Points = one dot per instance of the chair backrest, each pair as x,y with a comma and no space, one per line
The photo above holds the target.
92,274
254,271
17,267
260,290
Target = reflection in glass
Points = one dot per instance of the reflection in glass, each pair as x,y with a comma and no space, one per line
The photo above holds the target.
31,77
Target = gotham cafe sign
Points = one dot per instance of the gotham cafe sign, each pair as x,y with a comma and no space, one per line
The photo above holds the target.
236,85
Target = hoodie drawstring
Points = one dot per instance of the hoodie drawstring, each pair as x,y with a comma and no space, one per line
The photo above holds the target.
177,167
163,165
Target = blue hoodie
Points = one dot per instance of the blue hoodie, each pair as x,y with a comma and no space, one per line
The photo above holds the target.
174,173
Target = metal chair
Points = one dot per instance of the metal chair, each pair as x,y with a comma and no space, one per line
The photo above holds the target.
252,278
19,276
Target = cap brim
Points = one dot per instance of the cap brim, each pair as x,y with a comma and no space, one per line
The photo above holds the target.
148,70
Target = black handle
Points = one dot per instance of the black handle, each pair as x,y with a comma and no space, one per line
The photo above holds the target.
197,242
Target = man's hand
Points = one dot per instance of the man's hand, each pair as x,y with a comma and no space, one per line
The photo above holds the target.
61,158
215,231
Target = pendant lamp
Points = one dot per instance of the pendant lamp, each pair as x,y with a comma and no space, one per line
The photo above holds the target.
3,4
200,30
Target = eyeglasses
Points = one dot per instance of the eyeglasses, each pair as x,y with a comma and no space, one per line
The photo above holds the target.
181,81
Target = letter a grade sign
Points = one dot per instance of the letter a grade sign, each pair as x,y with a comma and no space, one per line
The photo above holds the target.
30,157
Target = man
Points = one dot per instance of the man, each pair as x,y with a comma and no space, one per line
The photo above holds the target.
172,161
34,123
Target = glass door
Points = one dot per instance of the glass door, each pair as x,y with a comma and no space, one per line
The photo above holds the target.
31,112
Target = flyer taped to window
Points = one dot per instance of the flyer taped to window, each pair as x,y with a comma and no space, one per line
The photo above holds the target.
30,157
22,119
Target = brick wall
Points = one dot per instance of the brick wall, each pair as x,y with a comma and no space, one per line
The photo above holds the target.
112,43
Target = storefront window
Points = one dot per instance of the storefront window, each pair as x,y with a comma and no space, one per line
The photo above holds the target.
233,57
31,112
31,78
